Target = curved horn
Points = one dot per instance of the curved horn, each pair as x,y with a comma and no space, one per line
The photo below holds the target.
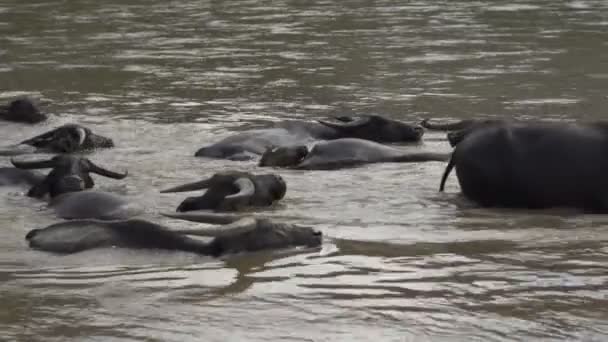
14,150
106,173
241,226
343,125
41,164
82,135
204,217
43,136
190,186
246,189
344,118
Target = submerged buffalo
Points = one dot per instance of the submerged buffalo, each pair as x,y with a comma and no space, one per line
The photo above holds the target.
234,236
10,176
93,204
233,190
341,153
249,144
535,165
69,173
22,110
68,138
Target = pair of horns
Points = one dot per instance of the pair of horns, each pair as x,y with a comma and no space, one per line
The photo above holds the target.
45,137
345,123
89,166
230,224
244,184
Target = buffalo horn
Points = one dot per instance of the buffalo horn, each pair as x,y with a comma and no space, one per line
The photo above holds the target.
82,135
41,164
342,125
106,173
204,217
246,189
38,138
190,186
241,226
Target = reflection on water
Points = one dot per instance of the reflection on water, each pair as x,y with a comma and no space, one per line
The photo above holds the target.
400,262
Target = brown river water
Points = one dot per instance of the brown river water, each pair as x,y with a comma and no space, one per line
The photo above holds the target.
400,261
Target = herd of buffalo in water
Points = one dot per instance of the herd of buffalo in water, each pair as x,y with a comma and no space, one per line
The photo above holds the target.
499,163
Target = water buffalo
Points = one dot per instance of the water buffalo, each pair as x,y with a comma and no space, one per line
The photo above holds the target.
249,144
340,153
233,190
69,173
234,236
68,138
534,165
22,110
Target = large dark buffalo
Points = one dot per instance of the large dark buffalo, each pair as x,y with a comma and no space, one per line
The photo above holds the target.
233,190
234,236
535,165
341,153
68,138
249,144
22,110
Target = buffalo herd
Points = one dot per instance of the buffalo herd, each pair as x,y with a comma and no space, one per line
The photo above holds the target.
498,163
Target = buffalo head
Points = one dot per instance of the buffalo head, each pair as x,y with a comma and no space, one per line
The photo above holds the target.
22,110
248,234
376,128
233,190
69,138
69,173
284,156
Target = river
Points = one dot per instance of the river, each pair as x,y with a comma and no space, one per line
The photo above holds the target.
400,261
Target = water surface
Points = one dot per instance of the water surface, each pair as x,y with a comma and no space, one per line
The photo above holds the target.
400,261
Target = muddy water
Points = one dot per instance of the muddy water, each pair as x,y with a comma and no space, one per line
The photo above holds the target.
400,261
